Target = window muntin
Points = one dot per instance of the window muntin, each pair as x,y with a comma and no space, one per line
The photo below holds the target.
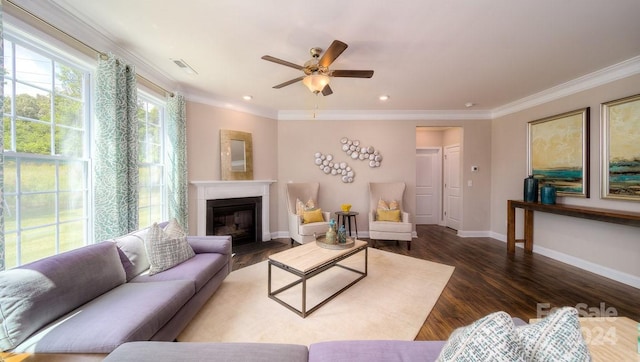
151,191
46,174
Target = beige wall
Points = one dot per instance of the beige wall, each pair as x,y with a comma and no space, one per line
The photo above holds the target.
613,248
396,140
283,151
204,123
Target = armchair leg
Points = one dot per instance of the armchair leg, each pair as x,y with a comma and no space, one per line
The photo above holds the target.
408,245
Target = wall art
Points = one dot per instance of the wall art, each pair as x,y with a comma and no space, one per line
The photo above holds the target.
327,165
354,150
620,150
558,152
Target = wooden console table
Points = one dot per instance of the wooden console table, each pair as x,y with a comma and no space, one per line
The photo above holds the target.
613,216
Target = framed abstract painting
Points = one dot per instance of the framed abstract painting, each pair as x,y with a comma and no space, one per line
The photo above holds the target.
559,152
620,130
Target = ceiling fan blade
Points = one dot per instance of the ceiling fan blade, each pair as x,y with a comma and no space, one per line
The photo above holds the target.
327,90
335,49
288,82
283,62
352,73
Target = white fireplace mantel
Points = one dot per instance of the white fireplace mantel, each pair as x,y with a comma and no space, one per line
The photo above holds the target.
213,190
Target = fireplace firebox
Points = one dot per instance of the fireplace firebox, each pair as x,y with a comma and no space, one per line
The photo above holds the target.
239,217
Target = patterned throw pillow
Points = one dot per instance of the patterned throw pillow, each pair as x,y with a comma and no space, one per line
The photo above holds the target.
383,205
167,248
555,338
393,205
301,207
491,338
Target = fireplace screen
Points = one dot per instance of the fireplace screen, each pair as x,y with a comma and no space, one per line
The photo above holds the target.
239,217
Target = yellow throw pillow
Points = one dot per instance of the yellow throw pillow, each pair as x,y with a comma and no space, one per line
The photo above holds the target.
314,215
388,215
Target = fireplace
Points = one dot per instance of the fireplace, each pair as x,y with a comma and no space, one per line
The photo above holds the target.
204,191
239,217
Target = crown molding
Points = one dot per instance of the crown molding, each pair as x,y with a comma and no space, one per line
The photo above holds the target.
91,38
371,115
233,106
606,75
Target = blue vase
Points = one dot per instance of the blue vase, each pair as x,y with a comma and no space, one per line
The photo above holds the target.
548,194
531,189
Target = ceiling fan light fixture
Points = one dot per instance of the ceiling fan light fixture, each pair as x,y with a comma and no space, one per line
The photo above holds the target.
316,82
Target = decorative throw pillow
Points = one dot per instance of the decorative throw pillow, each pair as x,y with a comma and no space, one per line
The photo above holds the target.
393,205
167,248
383,205
314,215
388,215
491,338
555,338
301,207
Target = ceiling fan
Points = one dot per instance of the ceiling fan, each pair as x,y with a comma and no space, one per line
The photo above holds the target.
316,70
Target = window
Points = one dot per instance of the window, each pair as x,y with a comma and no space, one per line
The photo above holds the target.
151,191
46,175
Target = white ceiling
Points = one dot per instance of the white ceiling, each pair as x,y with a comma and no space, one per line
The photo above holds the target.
427,54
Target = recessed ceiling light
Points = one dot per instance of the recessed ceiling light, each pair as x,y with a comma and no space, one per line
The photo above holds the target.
384,97
469,104
247,98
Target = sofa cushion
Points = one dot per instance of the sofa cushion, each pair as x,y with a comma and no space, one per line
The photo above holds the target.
132,246
491,338
391,227
130,312
166,247
200,351
374,350
35,294
555,338
199,269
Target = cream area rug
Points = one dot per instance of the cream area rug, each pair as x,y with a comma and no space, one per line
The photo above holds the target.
391,302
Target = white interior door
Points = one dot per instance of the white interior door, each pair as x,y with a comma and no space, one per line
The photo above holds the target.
452,187
428,186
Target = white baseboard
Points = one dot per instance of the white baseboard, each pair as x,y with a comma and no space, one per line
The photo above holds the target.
601,270
473,234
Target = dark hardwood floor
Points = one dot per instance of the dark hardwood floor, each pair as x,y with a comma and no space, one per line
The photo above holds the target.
487,279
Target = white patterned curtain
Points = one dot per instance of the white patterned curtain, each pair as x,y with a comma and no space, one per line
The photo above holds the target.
116,149
177,159
2,202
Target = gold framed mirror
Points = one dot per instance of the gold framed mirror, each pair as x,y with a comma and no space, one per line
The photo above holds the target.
236,155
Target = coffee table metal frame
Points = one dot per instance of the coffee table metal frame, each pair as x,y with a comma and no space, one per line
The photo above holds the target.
308,274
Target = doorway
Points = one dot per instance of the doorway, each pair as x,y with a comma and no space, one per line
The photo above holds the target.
439,176
429,185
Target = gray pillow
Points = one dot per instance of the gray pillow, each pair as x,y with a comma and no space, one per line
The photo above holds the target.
167,247
135,259
491,338
555,338
35,294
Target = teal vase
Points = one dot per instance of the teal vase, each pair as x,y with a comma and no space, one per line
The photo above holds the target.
531,189
548,194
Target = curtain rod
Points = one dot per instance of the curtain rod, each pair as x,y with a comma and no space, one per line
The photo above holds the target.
41,24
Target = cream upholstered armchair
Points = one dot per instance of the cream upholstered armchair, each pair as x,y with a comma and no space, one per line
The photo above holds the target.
387,218
305,216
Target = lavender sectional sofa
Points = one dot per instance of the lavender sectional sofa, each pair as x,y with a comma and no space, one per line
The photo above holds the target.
95,298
